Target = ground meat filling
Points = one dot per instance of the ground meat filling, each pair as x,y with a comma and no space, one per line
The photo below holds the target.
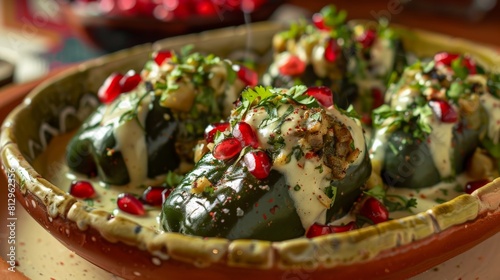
330,139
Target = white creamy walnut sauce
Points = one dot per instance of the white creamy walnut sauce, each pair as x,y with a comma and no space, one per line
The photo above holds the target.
307,177
130,134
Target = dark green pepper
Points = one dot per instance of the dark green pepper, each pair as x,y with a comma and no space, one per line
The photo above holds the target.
408,162
237,206
432,97
221,197
92,149
240,206
179,102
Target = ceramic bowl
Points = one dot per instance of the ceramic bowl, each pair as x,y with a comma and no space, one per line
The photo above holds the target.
395,249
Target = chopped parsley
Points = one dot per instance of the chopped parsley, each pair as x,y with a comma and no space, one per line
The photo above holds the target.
412,121
459,68
440,200
331,192
173,179
89,201
494,84
391,201
296,152
319,168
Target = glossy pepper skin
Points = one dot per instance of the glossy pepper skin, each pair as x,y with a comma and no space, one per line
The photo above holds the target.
243,207
412,166
239,207
89,150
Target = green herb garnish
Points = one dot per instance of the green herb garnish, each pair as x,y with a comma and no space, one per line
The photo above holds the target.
391,201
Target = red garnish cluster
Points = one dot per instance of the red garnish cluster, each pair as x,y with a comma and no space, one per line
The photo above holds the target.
153,196
117,84
129,203
332,50
445,58
319,229
471,186
367,38
161,56
291,66
246,75
257,161
444,111
372,209
323,95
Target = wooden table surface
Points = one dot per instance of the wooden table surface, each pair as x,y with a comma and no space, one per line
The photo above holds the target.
486,31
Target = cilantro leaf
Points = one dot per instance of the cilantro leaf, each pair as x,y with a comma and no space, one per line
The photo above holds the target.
173,179
377,192
391,201
459,69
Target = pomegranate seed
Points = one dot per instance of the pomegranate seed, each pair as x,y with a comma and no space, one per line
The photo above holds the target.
245,134
110,90
470,187
322,94
212,129
154,195
130,81
318,230
366,118
374,210
332,50
444,111
343,228
319,21
471,65
377,97
310,155
246,75
445,58
160,56
292,66
367,38
81,189
130,204
258,163
227,149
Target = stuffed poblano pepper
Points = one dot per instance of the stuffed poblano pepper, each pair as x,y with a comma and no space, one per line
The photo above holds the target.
376,59
281,163
314,55
490,100
432,124
149,123
354,60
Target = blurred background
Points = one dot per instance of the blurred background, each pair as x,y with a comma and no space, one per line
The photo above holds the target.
37,36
